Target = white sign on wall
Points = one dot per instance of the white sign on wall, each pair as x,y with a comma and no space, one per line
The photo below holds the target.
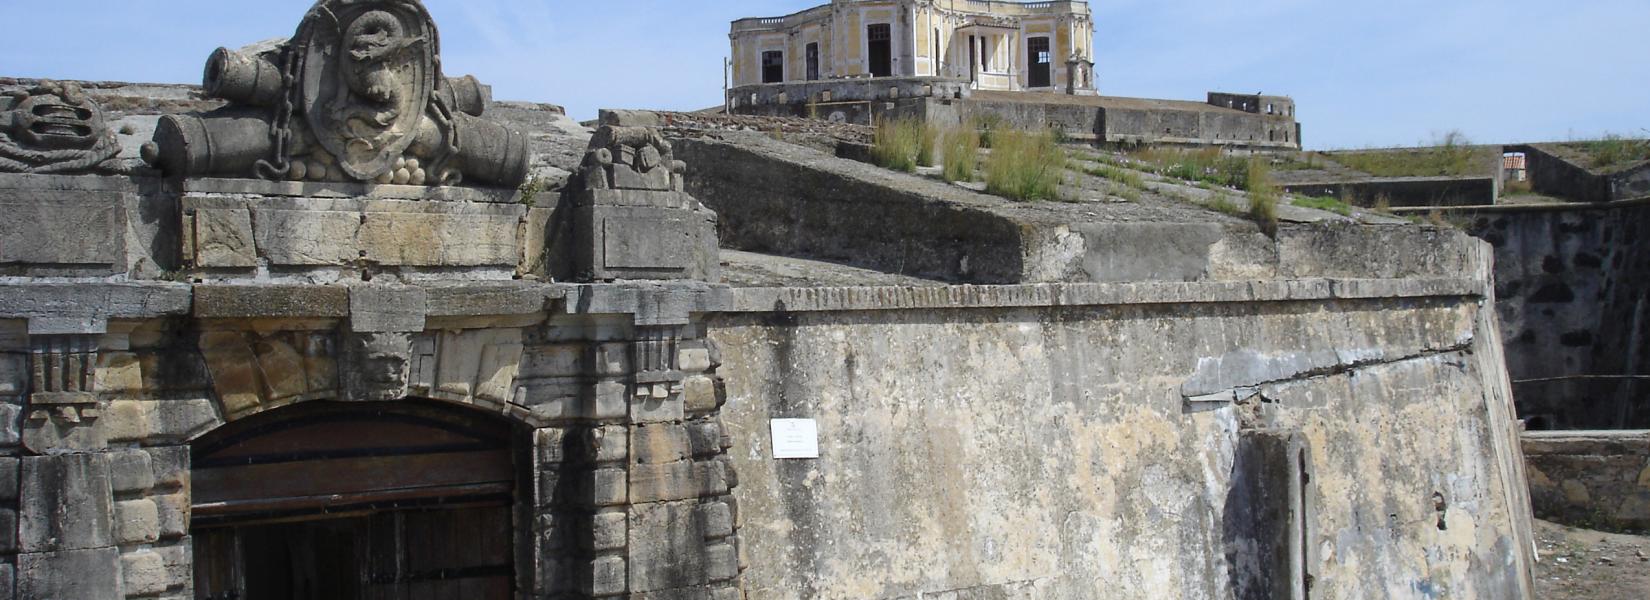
795,438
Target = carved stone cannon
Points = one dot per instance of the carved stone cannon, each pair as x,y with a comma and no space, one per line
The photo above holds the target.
356,94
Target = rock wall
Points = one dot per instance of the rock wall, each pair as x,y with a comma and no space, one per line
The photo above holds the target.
1573,310
1592,479
989,443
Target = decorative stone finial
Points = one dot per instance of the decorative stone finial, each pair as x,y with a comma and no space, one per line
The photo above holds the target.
632,218
357,94
54,128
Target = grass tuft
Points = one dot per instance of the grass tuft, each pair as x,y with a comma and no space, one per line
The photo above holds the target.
1263,195
902,144
1328,204
961,149
1025,166
1615,151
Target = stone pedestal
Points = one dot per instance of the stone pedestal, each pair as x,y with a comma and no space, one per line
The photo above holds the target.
236,228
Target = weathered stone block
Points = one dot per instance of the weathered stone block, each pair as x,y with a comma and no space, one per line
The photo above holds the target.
706,437
179,562
694,360
661,443
8,531
699,394
13,375
609,487
717,519
607,444
119,372
606,578
479,364
130,471
92,574
721,562
609,400
126,421
173,512
234,369
11,431
85,230
667,547
176,419
307,237
66,503
555,360
137,521
8,478
659,483
171,464
550,446
386,309
224,239
8,580
727,593
143,573
447,240
654,409
612,360
608,531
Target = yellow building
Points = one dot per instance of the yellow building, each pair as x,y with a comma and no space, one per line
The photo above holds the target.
992,45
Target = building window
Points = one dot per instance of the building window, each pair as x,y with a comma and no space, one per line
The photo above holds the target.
813,61
881,38
773,67
1040,70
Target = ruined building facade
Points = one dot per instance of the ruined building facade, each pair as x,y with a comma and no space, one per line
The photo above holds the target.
304,328
1009,46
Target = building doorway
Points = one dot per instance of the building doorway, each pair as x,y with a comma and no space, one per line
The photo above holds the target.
773,67
881,51
1040,70
329,501
813,61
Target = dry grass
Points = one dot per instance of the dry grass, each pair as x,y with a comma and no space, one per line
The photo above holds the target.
1614,151
960,147
1025,166
1263,195
1209,165
1451,155
902,144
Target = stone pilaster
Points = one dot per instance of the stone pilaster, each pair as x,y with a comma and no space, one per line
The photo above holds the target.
636,487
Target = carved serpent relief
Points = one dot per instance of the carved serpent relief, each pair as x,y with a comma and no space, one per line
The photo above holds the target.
356,94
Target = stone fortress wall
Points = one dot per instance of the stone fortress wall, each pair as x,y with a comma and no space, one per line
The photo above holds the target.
455,387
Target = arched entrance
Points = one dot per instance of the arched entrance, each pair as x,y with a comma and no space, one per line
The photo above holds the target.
345,501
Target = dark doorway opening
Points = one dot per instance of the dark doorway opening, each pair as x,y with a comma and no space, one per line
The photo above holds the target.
881,38
773,67
328,501
813,62
973,59
1040,71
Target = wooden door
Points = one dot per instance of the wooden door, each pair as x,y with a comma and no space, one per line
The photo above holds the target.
459,554
355,502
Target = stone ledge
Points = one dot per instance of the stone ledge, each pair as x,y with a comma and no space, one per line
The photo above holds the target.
1089,294
349,191
29,299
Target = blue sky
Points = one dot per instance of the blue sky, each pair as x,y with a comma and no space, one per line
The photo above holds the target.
1363,73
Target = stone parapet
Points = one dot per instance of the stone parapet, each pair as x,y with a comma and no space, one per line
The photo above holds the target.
1593,479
